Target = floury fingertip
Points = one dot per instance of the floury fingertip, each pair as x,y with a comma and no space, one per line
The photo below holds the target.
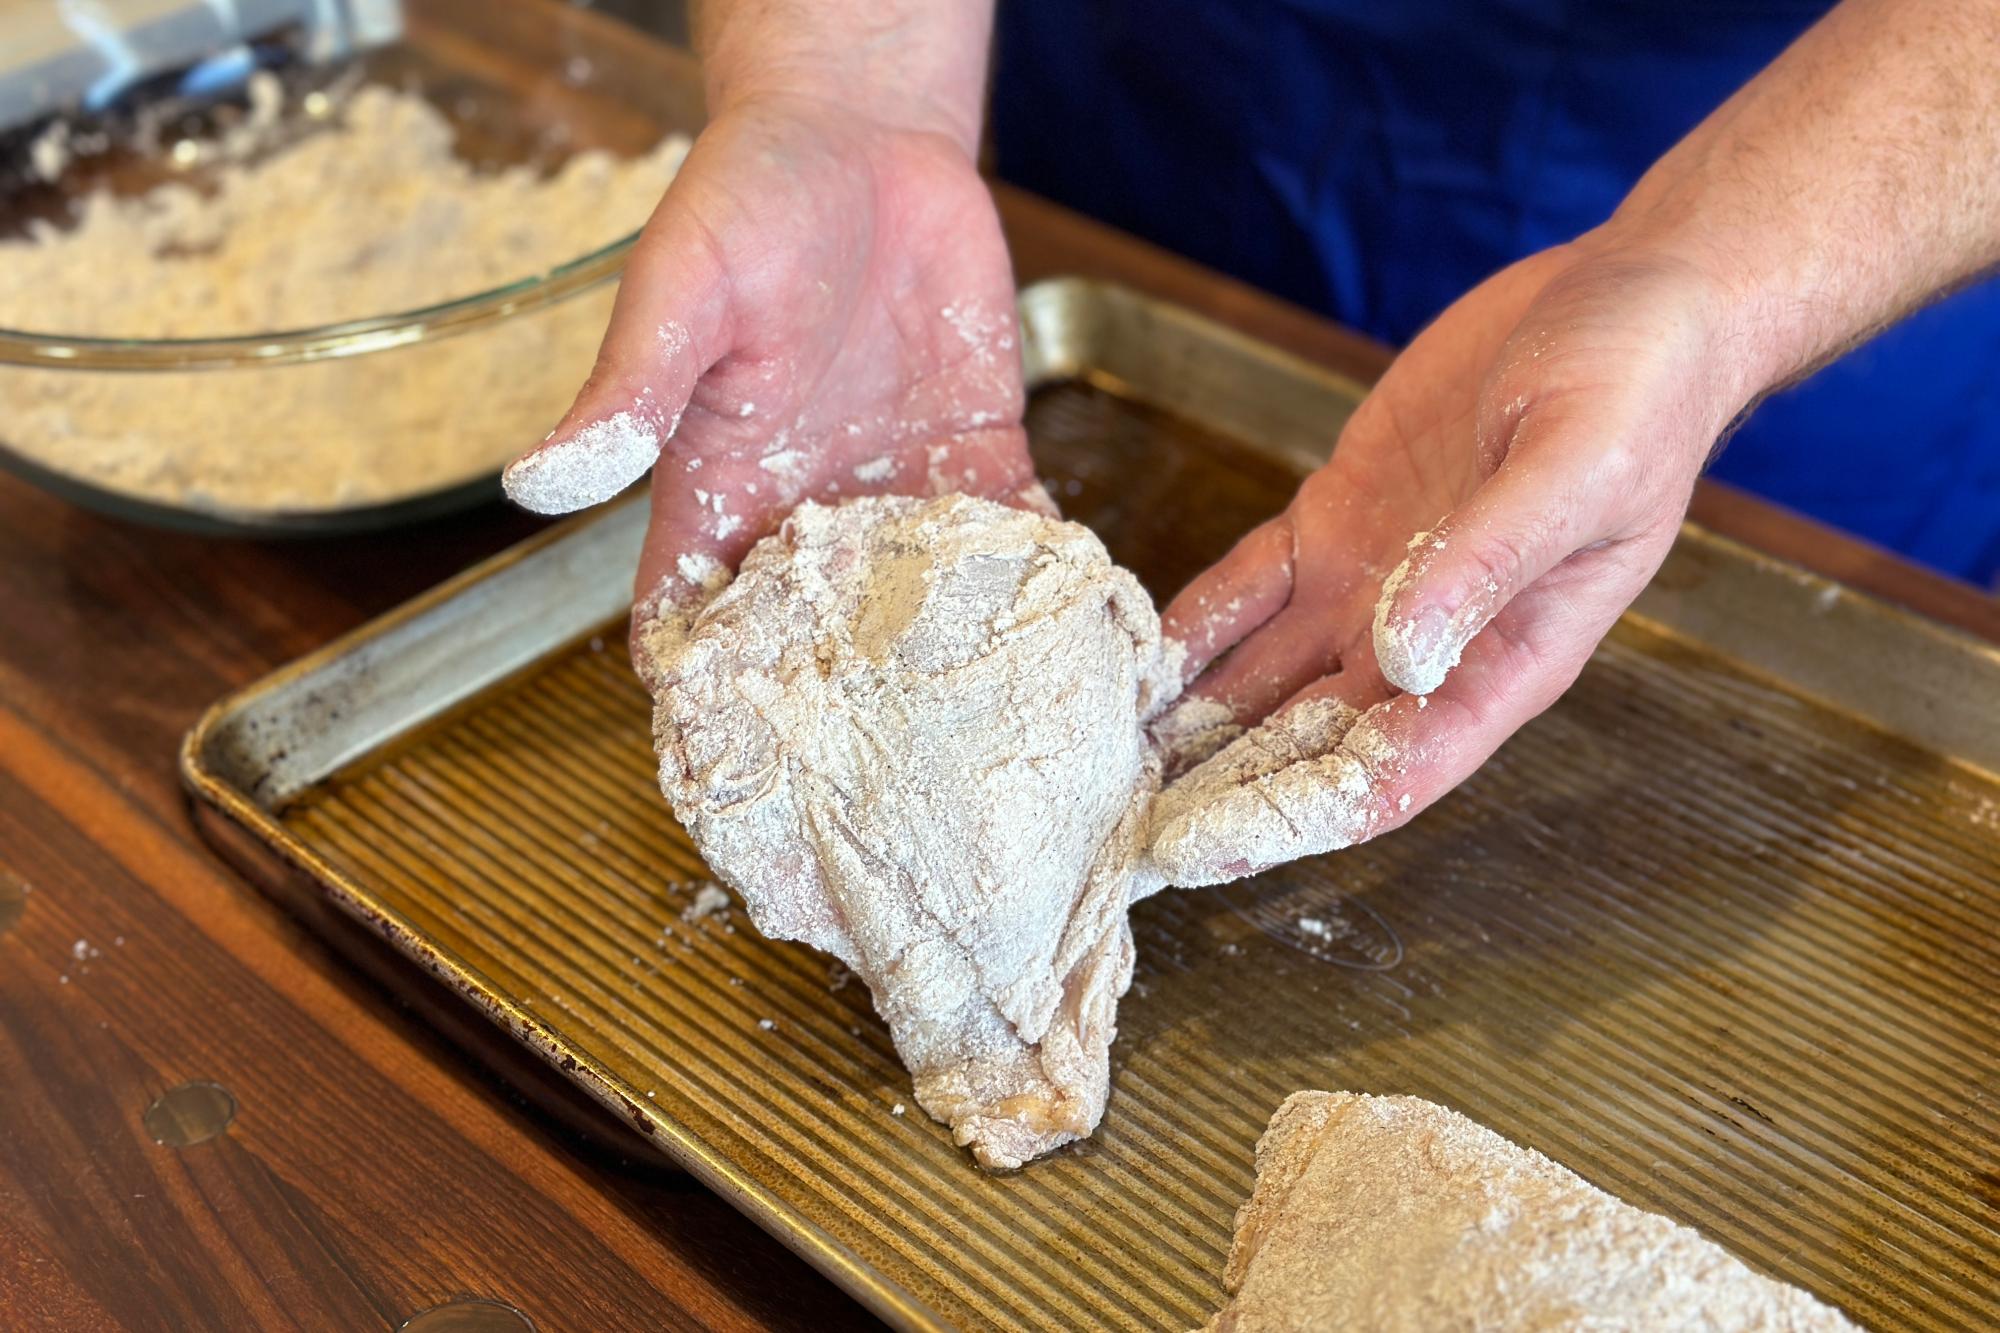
1418,650
1416,653
590,466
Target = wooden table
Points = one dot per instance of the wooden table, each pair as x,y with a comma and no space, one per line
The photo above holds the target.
372,1169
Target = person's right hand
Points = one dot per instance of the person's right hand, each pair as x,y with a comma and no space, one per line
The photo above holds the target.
1519,473
822,306
1501,496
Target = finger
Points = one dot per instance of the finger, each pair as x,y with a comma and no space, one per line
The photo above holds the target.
1297,647
1291,786
667,329
1234,596
1200,726
1457,577
1561,471
1358,684
1524,661
1357,774
1284,788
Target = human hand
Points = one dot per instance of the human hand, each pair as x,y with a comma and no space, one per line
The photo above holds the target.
1544,434
822,306
1500,497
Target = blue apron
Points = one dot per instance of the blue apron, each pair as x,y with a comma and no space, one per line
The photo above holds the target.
1373,159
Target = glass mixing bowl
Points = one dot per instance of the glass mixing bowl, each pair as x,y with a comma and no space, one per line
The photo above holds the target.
524,82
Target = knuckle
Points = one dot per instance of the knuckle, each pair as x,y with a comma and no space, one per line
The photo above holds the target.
1495,559
1616,462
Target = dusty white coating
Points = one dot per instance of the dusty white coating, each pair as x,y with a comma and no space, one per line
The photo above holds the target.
1036,497
1416,652
911,734
935,457
589,467
708,900
785,464
1395,1215
1297,784
370,213
1193,730
49,152
1173,655
702,571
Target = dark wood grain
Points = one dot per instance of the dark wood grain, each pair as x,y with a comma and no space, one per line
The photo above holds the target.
370,1172
373,1168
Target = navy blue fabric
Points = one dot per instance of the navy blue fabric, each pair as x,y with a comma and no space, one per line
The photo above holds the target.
1373,159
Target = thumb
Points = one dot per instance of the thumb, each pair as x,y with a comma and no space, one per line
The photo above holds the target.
667,328
1460,575
1568,478
1602,404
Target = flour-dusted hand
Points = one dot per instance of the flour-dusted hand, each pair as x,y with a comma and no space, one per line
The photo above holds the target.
822,305
1521,470
1499,498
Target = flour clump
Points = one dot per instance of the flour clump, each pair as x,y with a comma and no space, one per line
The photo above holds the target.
911,733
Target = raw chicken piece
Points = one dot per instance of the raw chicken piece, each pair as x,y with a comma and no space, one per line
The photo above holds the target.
911,733
1384,1214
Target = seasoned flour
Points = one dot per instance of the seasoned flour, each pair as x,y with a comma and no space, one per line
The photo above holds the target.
370,215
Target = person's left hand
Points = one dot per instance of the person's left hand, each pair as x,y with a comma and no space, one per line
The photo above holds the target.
821,307
1492,506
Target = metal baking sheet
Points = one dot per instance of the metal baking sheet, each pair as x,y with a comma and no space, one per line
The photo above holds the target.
1721,930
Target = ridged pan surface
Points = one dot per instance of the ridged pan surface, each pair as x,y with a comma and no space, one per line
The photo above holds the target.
1725,953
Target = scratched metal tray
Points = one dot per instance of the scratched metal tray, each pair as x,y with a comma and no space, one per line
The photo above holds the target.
1721,931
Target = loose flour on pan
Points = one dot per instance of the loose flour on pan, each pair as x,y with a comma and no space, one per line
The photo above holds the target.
370,215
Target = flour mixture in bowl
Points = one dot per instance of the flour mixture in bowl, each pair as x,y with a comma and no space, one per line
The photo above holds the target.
301,219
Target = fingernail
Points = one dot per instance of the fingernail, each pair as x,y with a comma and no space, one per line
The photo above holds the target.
590,466
1417,653
1425,637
